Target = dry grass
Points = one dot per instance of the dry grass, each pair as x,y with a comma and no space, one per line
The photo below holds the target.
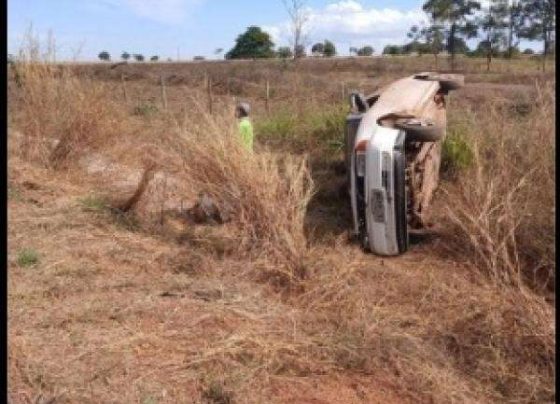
119,313
504,204
265,194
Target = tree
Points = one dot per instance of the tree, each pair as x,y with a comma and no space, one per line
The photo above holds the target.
104,56
125,56
329,49
154,58
353,50
515,19
253,43
284,52
218,51
318,49
365,51
199,58
493,23
299,17
540,23
392,50
435,37
300,52
139,57
528,51
456,16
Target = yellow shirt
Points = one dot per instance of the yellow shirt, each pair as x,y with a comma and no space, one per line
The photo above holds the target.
246,132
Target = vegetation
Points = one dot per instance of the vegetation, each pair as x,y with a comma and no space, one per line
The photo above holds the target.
365,51
125,56
104,56
298,18
275,303
138,57
253,43
284,52
326,49
27,257
457,18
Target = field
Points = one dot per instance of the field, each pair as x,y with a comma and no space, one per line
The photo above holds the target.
115,298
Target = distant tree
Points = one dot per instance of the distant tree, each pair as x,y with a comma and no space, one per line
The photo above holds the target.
457,17
318,48
299,17
515,20
392,50
154,58
353,50
199,58
329,49
461,46
139,57
540,23
169,60
218,51
300,52
493,24
125,56
104,56
253,43
11,59
284,52
365,51
528,51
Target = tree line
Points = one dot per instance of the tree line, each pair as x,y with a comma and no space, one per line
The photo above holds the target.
501,25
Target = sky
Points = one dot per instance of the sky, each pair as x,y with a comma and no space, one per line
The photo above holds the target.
182,29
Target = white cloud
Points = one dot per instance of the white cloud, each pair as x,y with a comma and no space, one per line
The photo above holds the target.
164,11
350,22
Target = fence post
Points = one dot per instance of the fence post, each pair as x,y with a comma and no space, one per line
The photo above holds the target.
267,96
209,92
163,93
125,95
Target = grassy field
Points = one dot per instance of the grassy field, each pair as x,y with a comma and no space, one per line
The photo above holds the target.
278,305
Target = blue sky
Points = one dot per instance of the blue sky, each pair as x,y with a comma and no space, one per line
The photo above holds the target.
198,27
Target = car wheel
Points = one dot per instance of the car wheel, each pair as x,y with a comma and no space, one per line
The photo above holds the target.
420,130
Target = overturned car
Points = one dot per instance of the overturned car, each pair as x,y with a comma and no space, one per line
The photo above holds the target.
393,153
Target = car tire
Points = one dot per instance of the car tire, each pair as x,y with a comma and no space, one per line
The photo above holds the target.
420,130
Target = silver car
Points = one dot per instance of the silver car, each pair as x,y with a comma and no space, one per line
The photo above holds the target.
393,151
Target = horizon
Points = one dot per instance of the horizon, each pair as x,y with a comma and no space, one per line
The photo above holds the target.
182,29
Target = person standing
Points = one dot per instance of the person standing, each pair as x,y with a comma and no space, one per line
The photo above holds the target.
242,111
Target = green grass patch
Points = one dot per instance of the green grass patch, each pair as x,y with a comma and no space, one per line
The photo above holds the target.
93,203
313,129
14,194
457,153
27,257
145,109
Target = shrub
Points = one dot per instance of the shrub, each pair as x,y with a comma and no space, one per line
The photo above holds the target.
27,257
457,154
145,109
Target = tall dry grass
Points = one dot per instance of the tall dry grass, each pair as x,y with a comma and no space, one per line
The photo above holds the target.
502,206
58,114
265,194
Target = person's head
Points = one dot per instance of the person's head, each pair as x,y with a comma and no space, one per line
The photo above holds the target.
242,110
